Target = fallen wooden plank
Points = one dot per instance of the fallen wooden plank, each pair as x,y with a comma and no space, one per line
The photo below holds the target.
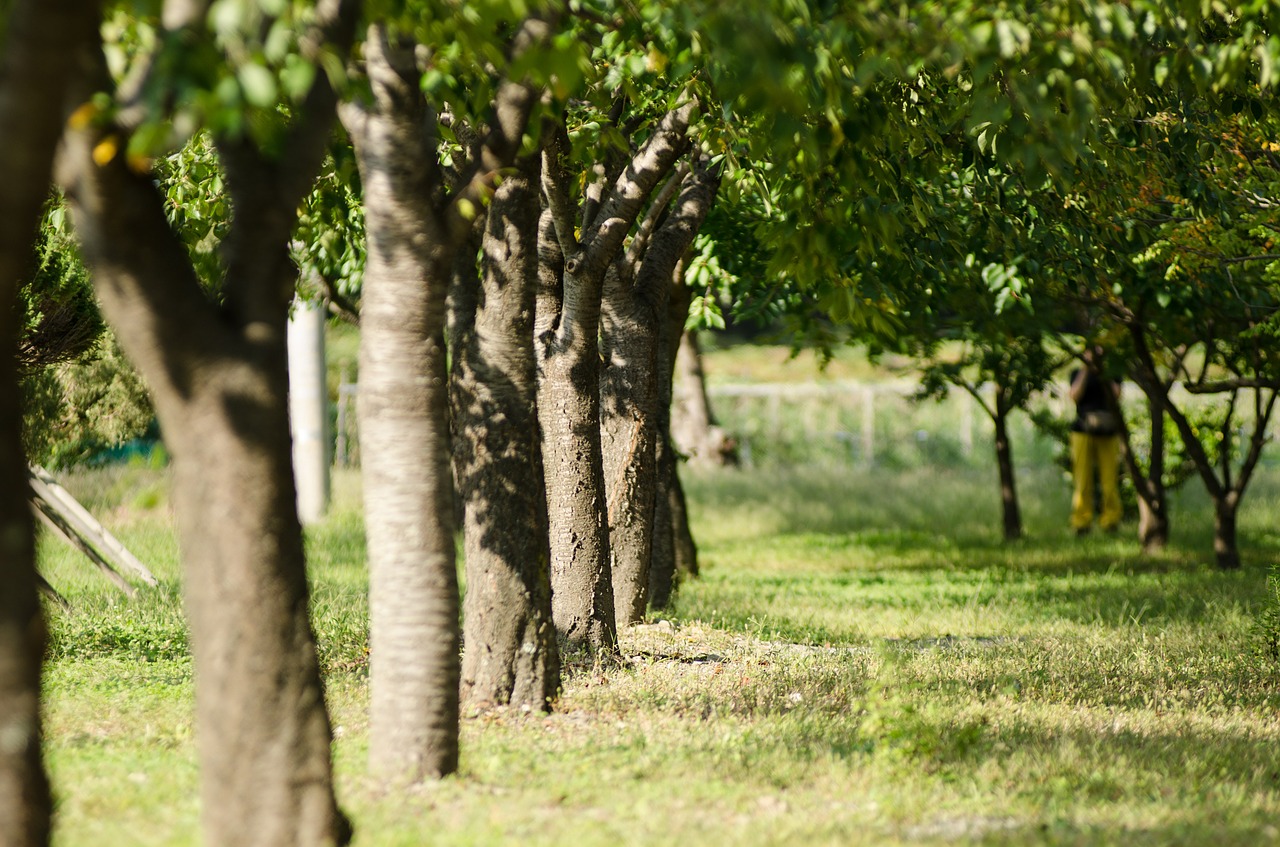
53,519
86,525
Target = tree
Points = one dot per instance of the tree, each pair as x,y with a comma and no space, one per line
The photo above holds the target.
574,271
213,353
635,297
511,656
35,38
420,209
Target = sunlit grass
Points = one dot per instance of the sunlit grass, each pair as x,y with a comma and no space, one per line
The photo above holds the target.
863,662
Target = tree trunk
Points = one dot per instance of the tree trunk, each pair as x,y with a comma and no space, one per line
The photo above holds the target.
568,327
693,425
663,568
1153,499
34,72
1153,523
414,664
662,555
221,396
259,699
684,550
635,315
1226,552
1010,512
218,376
569,414
510,654
629,432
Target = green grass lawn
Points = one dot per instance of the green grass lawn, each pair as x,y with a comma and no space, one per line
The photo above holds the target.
862,662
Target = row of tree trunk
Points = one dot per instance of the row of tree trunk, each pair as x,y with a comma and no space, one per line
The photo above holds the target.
547,424
559,529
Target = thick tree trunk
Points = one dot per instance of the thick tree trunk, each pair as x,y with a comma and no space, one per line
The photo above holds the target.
629,431
635,314
416,224
568,326
569,414
1226,551
510,654
218,375
222,401
34,71
260,699
1011,514
414,665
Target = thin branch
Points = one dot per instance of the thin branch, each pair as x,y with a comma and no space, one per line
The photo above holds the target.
675,236
640,241
555,184
1224,385
619,211
1261,418
596,188
513,105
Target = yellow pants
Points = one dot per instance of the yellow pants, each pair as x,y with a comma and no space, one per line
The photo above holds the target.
1100,453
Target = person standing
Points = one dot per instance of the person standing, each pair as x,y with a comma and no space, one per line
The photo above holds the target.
1095,444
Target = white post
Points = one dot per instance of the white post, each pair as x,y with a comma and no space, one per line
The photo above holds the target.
309,411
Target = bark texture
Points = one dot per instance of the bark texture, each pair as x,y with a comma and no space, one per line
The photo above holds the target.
34,73
635,311
416,221
510,654
568,326
218,374
404,429
569,414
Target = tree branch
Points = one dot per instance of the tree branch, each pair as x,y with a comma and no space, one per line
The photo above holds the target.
672,240
658,208
1223,385
555,184
620,210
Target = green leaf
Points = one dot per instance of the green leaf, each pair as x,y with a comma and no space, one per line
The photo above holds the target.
297,77
258,84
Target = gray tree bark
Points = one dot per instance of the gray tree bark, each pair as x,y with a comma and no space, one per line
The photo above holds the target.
415,227
510,654
568,326
218,374
34,74
635,310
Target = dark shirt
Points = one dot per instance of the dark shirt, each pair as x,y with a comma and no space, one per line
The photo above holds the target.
1093,398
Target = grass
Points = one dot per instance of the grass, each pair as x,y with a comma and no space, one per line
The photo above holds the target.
862,662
